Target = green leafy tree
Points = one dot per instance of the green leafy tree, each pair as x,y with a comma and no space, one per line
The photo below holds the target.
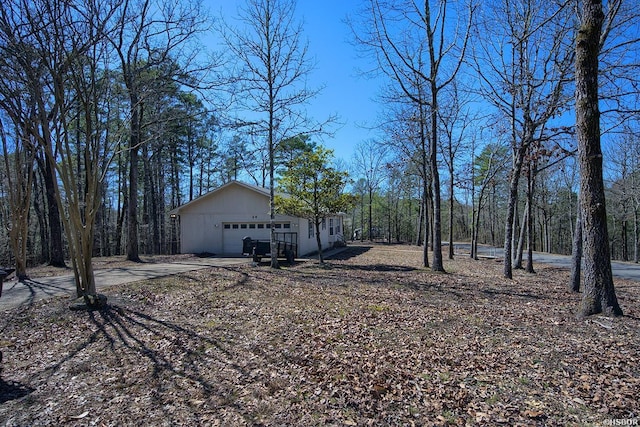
314,189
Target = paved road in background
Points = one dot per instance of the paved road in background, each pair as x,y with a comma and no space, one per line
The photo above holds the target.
15,294
625,270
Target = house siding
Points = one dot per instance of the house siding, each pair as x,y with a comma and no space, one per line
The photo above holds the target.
202,222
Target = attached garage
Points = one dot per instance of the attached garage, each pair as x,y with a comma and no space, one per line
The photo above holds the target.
217,222
234,232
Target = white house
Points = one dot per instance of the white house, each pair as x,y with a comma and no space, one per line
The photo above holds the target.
218,221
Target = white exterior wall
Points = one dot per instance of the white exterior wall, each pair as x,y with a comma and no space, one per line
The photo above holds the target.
202,222
198,234
309,245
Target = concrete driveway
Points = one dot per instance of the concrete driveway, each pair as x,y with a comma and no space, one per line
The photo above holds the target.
15,294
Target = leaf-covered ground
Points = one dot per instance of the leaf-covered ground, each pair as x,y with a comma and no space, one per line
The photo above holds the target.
370,339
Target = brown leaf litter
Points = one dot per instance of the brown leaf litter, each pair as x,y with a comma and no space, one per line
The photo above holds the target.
369,339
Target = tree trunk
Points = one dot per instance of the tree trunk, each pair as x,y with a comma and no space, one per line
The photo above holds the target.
451,206
599,293
319,241
134,151
362,217
529,223
474,234
576,254
371,234
272,183
425,223
636,235
419,225
132,208
511,209
517,258
435,182
39,204
56,252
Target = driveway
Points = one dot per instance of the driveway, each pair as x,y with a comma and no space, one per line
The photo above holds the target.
15,294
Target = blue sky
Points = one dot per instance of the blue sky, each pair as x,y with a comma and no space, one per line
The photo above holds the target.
346,93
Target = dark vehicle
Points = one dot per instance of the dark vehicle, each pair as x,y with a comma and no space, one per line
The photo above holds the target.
286,247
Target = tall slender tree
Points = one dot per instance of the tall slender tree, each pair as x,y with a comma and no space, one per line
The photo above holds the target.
19,158
154,44
416,47
59,47
523,55
599,293
273,67
369,160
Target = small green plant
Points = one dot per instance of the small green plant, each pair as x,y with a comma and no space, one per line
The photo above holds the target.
425,376
377,308
493,399
524,380
444,376
449,416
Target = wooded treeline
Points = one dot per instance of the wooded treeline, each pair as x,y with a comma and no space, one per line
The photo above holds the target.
505,134
117,106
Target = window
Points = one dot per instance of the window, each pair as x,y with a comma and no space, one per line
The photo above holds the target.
227,226
243,226
310,229
287,225
330,226
324,223
260,226
234,226
278,225
268,225
252,226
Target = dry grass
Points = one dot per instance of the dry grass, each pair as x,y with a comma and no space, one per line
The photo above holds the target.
369,339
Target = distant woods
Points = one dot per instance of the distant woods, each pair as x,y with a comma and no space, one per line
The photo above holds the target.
114,112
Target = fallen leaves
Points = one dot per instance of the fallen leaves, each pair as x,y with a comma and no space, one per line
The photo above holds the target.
371,339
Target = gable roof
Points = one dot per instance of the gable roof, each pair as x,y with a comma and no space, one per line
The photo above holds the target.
260,190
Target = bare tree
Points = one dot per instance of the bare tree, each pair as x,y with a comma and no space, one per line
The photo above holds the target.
60,49
271,79
599,292
486,166
369,161
413,44
576,255
455,122
524,59
154,43
19,160
17,101
407,133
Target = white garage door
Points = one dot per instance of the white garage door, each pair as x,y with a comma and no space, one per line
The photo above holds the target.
234,232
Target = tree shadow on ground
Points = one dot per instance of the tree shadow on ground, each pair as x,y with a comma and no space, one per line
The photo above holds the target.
379,275
12,390
186,355
383,268
498,292
350,252
155,350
